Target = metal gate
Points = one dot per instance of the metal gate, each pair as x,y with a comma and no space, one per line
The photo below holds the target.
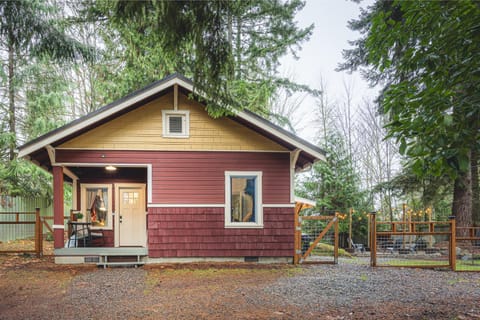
316,239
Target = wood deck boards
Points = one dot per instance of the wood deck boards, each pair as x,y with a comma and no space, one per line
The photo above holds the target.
123,251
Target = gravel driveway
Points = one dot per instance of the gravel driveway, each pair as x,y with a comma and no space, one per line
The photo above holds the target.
38,289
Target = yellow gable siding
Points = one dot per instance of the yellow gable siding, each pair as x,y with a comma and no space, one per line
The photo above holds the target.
141,129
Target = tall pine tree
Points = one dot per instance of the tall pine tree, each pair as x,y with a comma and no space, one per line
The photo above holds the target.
423,54
28,29
231,49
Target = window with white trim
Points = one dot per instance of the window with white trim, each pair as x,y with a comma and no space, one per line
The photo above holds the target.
96,205
176,123
243,199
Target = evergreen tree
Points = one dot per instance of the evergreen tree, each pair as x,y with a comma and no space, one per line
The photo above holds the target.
231,49
422,53
31,37
27,30
336,186
334,183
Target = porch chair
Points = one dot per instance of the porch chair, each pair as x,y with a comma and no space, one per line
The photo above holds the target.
77,234
358,247
95,237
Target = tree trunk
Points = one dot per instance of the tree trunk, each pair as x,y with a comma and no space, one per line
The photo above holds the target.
462,201
11,98
239,48
475,187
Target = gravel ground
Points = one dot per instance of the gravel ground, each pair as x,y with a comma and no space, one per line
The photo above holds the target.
38,289
359,292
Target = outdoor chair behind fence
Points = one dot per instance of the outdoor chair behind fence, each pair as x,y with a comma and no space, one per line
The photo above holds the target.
357,247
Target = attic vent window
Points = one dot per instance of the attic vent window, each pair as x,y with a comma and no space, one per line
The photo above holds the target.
175,124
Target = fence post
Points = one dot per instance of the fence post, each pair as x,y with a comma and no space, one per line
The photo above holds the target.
453,243
350,241
38,234
297,237
373,239
335,247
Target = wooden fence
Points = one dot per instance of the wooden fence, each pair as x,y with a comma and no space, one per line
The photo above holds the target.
429,244
467,246
27,218
14,204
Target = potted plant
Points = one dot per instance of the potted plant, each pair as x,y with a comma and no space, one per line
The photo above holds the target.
77,216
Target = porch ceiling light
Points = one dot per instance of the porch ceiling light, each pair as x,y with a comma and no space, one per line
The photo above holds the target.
110,168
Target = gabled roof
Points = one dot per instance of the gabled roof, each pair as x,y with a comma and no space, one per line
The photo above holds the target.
308,153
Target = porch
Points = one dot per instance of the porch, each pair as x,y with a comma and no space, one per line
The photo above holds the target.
108,206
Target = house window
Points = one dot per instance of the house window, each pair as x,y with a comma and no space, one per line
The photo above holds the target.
243,199
130,197
176,123
97,205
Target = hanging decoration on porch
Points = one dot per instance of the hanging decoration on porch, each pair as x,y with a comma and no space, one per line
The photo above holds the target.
98,212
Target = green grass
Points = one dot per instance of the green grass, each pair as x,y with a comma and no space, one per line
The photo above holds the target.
472,265
460,265
324,249
414,263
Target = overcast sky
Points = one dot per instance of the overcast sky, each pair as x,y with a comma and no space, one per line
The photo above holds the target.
320,56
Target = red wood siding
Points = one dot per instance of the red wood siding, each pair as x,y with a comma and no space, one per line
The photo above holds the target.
196,177
200,232
108,238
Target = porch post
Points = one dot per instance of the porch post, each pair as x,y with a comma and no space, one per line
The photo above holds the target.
75,205
58,210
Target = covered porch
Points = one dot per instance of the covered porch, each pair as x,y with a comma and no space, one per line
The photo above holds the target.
107,213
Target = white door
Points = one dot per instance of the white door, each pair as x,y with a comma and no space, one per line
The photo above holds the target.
132,218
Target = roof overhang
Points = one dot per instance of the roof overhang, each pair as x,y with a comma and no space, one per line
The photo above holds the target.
308,203
37,149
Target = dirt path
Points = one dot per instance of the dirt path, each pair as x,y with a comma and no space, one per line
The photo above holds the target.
38,289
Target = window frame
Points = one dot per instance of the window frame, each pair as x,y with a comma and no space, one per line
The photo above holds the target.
184,114
85,210
258,199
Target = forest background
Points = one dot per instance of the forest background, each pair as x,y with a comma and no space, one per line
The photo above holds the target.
416,142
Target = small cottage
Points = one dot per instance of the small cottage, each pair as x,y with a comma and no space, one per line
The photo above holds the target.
155,177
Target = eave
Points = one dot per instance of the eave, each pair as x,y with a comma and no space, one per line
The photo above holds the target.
35,150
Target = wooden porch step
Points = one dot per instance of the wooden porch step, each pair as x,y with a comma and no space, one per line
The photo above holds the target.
125,264
121,258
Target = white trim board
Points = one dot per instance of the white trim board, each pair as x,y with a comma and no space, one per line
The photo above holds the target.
215,205
179,150
185,205
102,164
285,205
311,202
